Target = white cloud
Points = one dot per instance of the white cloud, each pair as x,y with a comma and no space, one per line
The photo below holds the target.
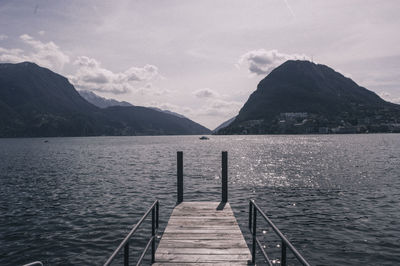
42,32
90,75
214,104
396,100
149,90
210,114
387,96
261,62
220,107
45,54
205,93
11,55
208,109
3,37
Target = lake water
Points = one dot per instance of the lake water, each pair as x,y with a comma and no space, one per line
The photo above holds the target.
70,201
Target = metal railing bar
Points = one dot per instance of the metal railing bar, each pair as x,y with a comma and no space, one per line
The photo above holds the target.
35,263
263,252
254,233
157,213
282,237
126,239
144,251
153,234
250,214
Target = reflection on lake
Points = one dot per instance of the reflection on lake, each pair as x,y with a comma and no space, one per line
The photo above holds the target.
70,201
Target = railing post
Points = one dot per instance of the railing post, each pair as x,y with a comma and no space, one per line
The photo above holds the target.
157,214
283,255
180,176
126,254
250,213
254,247
224,176
153,234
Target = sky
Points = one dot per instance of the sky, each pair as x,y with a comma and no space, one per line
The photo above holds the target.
201,59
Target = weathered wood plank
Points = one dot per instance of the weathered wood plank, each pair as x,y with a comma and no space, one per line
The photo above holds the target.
200,258
222,244
199,234
202,224
202,236
204,216
203,264
202,230
205,251
201,219
200,227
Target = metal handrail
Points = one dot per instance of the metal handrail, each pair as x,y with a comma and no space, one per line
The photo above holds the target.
154,209
253,208
35,263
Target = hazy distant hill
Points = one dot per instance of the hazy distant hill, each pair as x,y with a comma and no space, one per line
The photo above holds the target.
224,124
168,112
303,97
35,101
101,101
104,102
148,121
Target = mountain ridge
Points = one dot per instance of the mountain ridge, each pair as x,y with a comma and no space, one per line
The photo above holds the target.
101,102
312,92
34,102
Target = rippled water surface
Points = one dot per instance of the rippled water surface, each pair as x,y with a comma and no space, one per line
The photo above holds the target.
70,201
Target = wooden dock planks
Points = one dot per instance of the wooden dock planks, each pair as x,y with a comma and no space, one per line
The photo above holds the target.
199,234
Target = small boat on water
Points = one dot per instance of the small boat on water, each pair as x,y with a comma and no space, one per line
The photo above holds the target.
204,138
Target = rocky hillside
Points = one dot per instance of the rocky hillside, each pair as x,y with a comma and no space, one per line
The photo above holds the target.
303,97
35,101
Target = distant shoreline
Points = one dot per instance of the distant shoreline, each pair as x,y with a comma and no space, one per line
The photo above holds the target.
211,135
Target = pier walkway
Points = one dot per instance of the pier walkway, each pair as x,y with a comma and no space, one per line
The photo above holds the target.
202,233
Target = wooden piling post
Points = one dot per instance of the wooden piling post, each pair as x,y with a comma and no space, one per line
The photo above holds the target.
126,254
179,182
224,176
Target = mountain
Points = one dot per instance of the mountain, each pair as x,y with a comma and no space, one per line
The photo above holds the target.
304,97
102,102
99,101
168,112
35,101
139,120
224,124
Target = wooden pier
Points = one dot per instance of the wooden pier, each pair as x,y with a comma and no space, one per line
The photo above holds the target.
202,233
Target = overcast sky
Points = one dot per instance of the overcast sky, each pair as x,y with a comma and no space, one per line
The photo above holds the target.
201,58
